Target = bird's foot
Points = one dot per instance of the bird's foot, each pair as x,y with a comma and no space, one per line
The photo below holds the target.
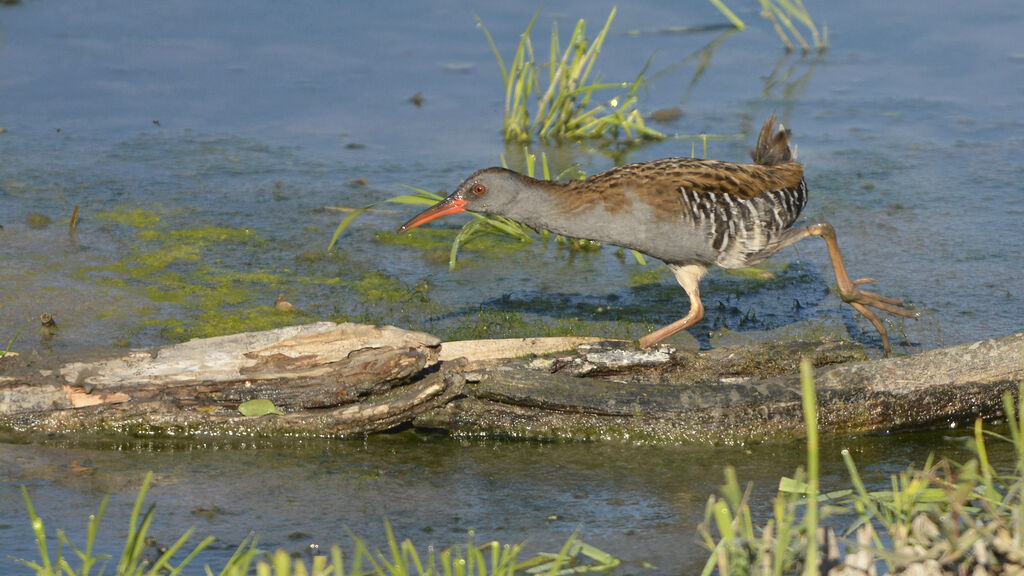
865,298
862,299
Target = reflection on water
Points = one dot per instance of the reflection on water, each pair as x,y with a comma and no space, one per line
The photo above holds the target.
202,143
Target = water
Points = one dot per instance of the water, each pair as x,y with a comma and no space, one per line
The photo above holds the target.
202,143
641,504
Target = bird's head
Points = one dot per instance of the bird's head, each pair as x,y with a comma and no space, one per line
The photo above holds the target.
487,191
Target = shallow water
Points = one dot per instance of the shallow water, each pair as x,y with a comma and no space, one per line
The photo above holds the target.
202,143
641,504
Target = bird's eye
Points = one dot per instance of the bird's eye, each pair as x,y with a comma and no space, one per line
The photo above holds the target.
479,189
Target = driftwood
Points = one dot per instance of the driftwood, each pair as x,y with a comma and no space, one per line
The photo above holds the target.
346,379
329,379
732,395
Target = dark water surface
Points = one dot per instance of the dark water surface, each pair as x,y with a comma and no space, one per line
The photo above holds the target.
641,504
203,141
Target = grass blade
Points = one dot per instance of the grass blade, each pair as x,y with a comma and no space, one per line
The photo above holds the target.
729,15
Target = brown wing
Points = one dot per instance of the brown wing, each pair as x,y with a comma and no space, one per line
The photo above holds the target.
714,177
658,183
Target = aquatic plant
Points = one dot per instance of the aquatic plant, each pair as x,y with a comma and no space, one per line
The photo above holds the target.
133,560
10,343
402,558
479,224
781,14
729,14
565,108
944,518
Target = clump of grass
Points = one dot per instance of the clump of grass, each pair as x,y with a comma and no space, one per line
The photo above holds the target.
782,13
728,526
133,560
401,558
563,99
10,343
944,518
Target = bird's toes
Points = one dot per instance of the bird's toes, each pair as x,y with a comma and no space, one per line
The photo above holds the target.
863,281
890,305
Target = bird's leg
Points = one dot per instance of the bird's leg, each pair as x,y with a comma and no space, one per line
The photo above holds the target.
859,299
688,276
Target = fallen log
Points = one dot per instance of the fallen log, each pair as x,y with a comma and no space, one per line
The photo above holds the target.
329,379
732,395
345,379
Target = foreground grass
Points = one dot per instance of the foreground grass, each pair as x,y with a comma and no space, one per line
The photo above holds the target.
944,518
140,556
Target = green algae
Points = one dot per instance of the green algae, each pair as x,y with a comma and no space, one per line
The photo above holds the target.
219,322
764,272
201,237
37,221
433,238
767,270
647,276
377,287
205,281
184,267
421,238
137,217
510,324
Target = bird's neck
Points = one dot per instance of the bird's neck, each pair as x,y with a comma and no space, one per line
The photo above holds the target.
554,206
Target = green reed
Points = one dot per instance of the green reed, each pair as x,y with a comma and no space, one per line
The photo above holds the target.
400,558
561,103
945,517
783,13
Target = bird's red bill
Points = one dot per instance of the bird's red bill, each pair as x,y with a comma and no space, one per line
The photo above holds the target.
443,208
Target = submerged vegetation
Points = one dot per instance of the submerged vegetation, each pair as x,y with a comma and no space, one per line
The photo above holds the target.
188,267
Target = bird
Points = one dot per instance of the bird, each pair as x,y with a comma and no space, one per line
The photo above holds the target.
283,305
690,213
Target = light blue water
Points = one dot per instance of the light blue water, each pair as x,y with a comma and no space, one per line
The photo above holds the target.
909,125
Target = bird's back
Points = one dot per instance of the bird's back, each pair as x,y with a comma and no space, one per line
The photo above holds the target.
685,210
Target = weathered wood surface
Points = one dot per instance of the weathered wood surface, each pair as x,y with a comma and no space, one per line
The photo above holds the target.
346,379
330,379
733,395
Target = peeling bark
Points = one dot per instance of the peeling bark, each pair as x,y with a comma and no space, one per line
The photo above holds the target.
329,379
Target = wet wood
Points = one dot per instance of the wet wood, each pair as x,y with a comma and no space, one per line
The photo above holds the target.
347,379
329,378
732,395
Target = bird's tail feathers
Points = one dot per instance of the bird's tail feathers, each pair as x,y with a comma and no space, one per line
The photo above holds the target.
772,146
